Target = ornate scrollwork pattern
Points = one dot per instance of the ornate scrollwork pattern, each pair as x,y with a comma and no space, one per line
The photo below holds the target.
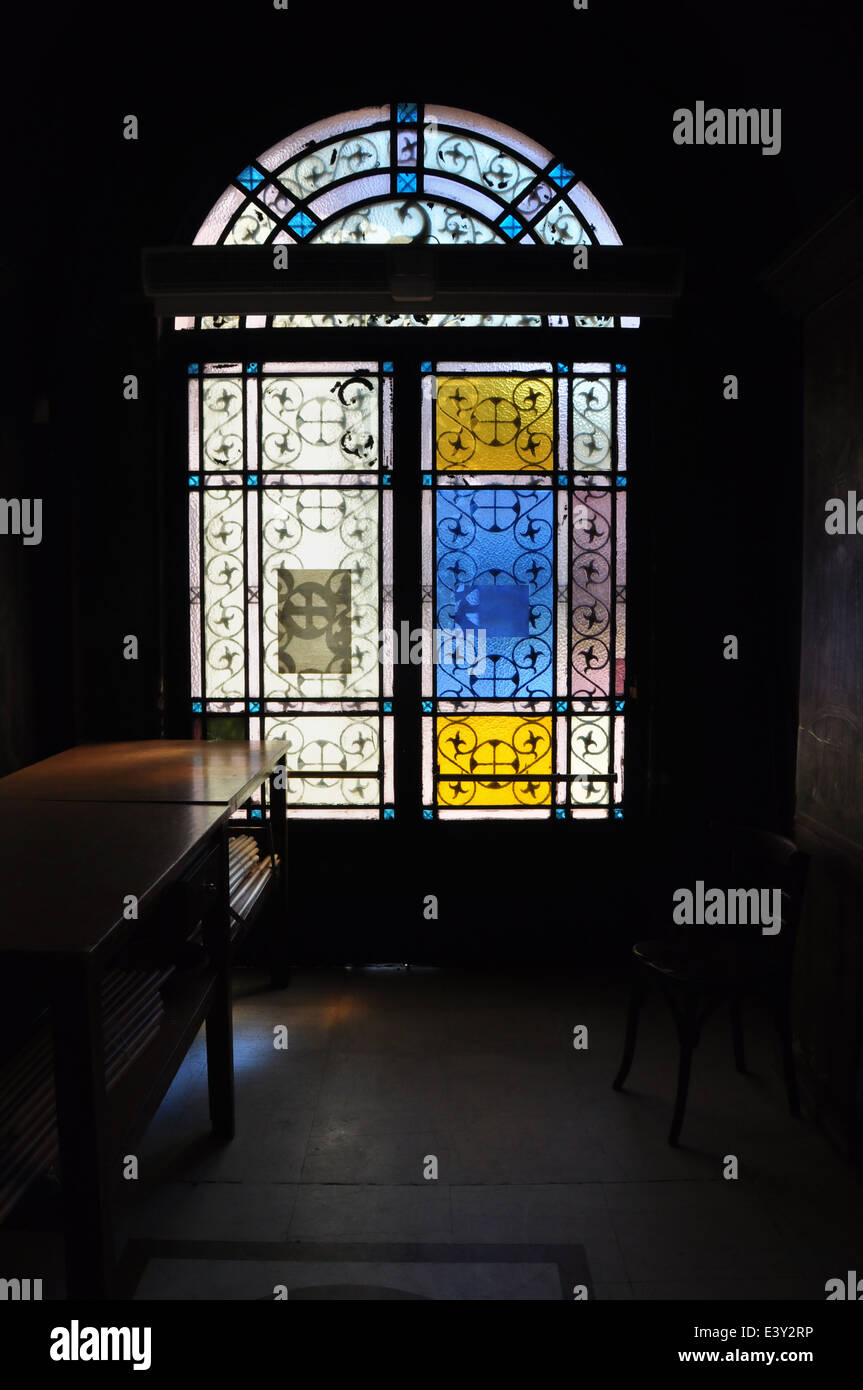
331,759
320,422
591,423
494,760
406,321
402,220
496,423
322,529
223,423
355,155
224,594
494,577
590,750
591,590
488,166
251,228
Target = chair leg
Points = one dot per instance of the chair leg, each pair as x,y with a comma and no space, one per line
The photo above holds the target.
686,1018
782,1016
737,1036
683,1070
636,998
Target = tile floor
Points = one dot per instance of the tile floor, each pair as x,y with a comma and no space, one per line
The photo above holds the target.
386,1068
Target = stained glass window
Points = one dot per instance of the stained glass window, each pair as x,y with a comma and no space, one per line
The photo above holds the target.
406,173
522,504
524,590
290,526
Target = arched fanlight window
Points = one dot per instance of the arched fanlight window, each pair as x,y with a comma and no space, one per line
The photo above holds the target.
407,173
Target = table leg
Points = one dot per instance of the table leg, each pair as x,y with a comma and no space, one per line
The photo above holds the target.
79,1076
219,1022
280,966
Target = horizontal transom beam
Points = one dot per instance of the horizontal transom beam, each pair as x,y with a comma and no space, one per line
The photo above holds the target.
205,280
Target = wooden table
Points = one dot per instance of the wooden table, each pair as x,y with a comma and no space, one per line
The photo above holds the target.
222,772
199,772
79,834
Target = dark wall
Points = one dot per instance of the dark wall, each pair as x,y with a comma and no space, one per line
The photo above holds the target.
717,503
830,756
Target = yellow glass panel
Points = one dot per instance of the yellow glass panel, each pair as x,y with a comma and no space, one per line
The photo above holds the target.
494,760
494,424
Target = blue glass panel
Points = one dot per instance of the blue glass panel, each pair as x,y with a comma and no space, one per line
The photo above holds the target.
406,183
511,226
407,111
301,223
494,577
561,175
250,178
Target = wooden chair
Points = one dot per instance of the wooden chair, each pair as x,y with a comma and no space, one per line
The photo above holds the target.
698,969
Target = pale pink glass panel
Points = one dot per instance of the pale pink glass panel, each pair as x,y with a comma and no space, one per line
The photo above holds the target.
195,587
621,603
463,193
621,426
253,635
618,757
252,428
294,368
428,589
219,216
592,211
387,572
591,591
562,587
428,761
347,194
387,424
389,747
194,427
